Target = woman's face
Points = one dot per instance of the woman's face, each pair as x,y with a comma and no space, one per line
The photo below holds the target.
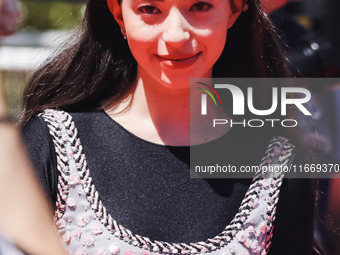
175,40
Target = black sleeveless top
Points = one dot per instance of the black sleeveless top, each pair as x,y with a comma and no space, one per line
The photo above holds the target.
147,189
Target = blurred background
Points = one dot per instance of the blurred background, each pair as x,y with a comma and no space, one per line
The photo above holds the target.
34,30
41,27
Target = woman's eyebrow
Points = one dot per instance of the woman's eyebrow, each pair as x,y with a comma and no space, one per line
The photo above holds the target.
150,0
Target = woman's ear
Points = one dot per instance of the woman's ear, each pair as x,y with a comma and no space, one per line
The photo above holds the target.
236,7
116,10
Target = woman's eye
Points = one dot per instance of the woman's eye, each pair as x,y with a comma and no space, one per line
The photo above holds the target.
148,9
201,7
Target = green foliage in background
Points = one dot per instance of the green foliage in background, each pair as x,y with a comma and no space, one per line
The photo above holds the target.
51,15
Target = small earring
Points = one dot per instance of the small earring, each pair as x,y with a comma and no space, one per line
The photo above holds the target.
245,6
123,33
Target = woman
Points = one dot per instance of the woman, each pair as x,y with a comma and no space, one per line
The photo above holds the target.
125,82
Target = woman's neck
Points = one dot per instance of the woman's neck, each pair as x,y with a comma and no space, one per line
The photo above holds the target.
161,114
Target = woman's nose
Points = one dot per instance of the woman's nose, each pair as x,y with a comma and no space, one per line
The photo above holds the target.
177,29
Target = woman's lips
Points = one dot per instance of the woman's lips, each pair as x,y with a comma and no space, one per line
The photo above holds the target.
178,62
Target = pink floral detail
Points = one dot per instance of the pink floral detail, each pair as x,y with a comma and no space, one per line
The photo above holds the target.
96,230
247,243
73,179
145,253
232,248
265,183
114,248
267,161
81,251
69,220
88,242
277,151
66,237
71,202
263,227
82,220
240,237
129,252
282,139
58,117
61,224
251,229
221,242
78,233
255,205
255,247
101,251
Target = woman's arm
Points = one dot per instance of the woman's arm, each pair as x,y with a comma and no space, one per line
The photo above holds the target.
25,216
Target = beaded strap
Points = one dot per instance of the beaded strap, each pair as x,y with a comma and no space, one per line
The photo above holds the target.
280,152
59,142
69,149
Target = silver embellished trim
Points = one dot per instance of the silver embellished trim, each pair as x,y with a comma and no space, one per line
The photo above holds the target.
69,148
